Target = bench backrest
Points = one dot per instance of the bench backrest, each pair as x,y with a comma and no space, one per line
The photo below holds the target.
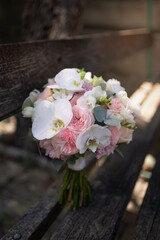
25,66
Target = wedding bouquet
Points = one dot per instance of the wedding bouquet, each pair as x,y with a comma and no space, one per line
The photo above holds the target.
77,113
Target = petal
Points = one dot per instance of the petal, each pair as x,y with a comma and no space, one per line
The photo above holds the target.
43,116
63,110
66,79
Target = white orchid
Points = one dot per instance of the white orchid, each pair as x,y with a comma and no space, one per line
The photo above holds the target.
94,137
114,85
69,79
50,118
60,93
88,77
90,98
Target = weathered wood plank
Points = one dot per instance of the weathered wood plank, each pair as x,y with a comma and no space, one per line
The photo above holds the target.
112,189
25,66
36,221
149,216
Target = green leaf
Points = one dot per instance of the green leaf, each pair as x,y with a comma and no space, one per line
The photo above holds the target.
103,86
82,73
110,94
99,113
111,122
119,152
57,163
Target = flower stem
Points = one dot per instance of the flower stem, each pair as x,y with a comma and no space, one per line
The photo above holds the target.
75,188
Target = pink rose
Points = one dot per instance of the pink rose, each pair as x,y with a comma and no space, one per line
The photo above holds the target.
82,119
75,97
105,151
125,135
115,134
61,145
116,105
45,94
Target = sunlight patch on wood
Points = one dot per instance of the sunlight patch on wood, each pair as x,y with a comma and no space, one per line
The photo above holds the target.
140,94
8,126
150,105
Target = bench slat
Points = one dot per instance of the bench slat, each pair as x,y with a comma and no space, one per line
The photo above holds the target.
34,224
25,66
112,190
149,216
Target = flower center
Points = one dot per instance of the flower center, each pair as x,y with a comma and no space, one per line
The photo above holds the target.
76,84
92,144
58,123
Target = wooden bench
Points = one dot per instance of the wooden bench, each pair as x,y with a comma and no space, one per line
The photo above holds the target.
23,67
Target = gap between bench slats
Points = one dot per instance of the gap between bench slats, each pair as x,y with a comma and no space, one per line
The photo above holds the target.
25,66
36,221
149,216
112,190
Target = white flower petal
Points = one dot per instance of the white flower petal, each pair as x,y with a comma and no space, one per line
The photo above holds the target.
114,86
28,112
94,135
88,77
50,118
63,110
69,79
87,102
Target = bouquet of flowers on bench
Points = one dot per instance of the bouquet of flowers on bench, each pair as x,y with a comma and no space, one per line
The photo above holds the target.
77,113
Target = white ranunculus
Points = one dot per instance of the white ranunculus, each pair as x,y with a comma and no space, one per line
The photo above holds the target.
135,108
114,85
94,137
88,77
69,79
27,112
79,164
50,118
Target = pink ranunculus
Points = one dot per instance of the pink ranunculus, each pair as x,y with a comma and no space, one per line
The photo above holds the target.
45,94
115,134
116,105
82,119
61,145
105,151
125,135
87,86
75,97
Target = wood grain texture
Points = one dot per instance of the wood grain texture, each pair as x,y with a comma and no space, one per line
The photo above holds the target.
149,216
38,218
34,224
112,190
26,66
